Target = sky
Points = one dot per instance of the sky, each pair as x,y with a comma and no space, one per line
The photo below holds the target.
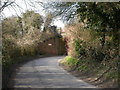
23,6
28,5
59,23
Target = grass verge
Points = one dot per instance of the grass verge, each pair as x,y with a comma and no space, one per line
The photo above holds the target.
101,74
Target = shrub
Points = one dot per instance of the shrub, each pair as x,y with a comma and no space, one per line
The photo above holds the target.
79,49
70,61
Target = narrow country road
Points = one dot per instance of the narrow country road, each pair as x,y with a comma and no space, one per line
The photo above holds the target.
46,73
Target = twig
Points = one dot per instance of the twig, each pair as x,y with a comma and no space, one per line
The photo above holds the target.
103,74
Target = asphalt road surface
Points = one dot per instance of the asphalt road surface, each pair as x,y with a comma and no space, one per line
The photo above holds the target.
46,73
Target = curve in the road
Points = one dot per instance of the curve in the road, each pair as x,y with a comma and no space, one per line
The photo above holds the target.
46,73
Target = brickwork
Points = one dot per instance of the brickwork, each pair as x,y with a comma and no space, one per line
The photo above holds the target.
52,46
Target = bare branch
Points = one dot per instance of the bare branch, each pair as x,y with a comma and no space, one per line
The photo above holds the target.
6,4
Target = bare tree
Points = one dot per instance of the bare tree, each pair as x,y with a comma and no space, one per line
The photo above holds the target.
65,10
5,3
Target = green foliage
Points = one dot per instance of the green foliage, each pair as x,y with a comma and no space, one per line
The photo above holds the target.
20,37
99,14
79,49
89,56
81,65
112,75
11,26
9,52
82,68
102,18
70,61
30,18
